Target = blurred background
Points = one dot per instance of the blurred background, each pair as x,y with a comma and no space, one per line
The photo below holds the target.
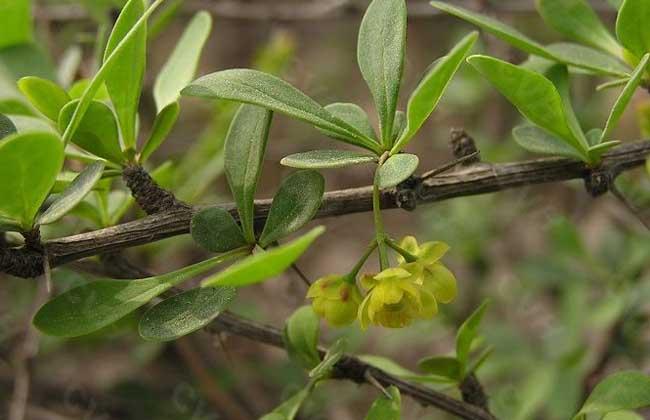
567,275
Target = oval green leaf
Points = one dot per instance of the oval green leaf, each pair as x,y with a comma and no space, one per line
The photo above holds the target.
443,366
93,306
185,313
576,20
162,126
385,408
46,96
265,264
632,27
244,154
180,68
126,74
257,88
353,115
380,53
396,169
29,164
326,159
97,132
294,205
537,140
621,391
73,194
216,230
301,334
429,91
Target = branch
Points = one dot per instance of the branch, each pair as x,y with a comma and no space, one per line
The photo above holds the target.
351,368
475,180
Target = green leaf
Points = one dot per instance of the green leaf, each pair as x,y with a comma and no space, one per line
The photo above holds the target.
576,20
535,96
216,230
582,57
596,152
180,68
496,28
98,81
244,154
301,334
447,367
265,264
622,415
429,91
93,306
621,391
46,96
331,358
537,140
353,115
257,88
185,313
79,87
325,159
385,408
593,136
97,133
632,26
389,366
396,169
466,335
380,53
73,194
125,77
289,409
17,24
162,126
7,127
399,125
624,98
294,205
29,164
558,74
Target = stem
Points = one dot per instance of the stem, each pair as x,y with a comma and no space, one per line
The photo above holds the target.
379,227
352,275
404,253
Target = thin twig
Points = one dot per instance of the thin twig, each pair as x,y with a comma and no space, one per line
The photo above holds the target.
629,205
300,274
448,166
372,381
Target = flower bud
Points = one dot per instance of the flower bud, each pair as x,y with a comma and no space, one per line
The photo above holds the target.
335,299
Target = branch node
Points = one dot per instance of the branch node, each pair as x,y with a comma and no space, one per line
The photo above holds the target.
463,145
406,194
473,393
598,182
148,194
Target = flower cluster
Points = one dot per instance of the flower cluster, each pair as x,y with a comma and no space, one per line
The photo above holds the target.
394,297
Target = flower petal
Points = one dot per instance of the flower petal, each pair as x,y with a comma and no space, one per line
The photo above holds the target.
430,252
441,282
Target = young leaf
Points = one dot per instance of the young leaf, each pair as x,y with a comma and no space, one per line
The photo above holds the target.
467,334
496,28
331,358
29,164
386,409
162,126
534,95
429,91
126,74
624,98
596,152
558,74
537,140
380,53
244,155
301,334
294,205
180,68
632,26
621,391
447,367
399,125
325,159
216,230
93,306
185,313
73,194
353,115
289,409
97,132
257,88
264,265
16,23
7,127
587,59
396,169
389,366
78,89
46,96
575,19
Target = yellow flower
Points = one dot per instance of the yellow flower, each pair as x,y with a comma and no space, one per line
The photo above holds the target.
436,278
396,297
335,299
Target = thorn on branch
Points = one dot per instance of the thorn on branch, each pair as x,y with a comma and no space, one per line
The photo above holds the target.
150,196
463,146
